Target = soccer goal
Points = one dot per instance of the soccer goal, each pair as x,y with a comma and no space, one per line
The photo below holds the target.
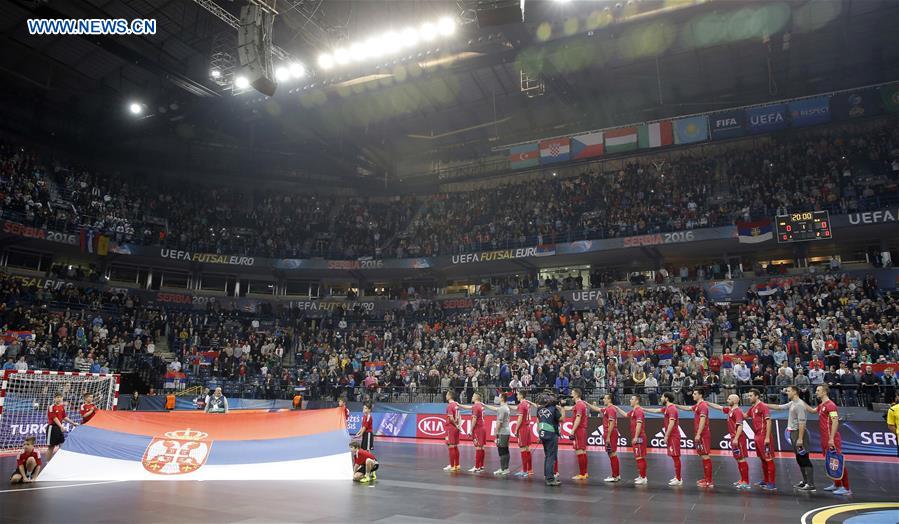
25,397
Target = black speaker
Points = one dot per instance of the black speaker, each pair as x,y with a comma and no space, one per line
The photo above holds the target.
254,47
502,12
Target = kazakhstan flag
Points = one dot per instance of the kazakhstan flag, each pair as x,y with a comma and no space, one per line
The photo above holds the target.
691,129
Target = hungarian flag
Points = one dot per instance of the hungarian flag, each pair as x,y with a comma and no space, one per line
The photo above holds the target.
657,134
527,155
621,139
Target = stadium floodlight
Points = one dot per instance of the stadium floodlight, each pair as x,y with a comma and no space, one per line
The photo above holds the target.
282,74
341,56
325,61
391,42
297,70
409,37
136,108
375,47
446,26
241,82
215,73
359,51
428,31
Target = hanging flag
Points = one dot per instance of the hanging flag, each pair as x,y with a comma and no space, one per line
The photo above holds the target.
527,155
621,139
586,146
555,150
889,94
691,130
103,245
755,232
656,134
855,104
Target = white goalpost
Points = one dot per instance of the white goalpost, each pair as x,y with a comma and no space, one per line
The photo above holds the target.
25,397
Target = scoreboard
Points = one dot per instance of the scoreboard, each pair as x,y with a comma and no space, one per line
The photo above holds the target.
808,225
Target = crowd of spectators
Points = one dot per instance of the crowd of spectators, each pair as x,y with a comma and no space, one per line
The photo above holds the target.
842,169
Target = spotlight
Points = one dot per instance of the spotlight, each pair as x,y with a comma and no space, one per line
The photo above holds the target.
325,61
215,73
391,42
428,31
446,26
375,47
358,52
241,82
409,37
282,74
297,70
341,56
135,108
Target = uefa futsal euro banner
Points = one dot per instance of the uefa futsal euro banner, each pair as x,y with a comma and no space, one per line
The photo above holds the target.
131,445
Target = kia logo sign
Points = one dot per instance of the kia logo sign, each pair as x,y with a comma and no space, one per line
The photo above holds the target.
432,426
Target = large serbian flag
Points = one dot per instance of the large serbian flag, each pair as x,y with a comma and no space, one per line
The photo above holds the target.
123,445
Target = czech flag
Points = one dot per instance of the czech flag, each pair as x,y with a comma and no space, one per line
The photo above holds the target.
123,445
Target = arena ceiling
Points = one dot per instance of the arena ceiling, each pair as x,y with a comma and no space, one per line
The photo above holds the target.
601,63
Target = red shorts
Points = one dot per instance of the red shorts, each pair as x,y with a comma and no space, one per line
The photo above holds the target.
580,439
674,446
524,436
640,449
760,451
611,442
704,444
743,446
479,435
452,435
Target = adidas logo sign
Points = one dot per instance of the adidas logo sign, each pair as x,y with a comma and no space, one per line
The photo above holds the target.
658,440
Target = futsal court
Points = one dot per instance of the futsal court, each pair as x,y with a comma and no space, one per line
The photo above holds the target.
411,487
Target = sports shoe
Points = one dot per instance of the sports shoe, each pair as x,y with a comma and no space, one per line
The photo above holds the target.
842,491
505,473
457,468
473,470
521,474
769,487
374,476
365,480
498,472
675,482
808,487
832,487
704,484
449,468
641,481
742,486
579,477
553,482
799,485
761,484
737,483
612,479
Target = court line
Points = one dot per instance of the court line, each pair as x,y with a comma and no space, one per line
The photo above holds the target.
63,486
488,491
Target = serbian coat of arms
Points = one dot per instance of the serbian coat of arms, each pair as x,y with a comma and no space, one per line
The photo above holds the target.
177,452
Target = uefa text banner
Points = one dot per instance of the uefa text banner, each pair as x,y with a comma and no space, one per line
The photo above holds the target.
810,111
727,124
768,118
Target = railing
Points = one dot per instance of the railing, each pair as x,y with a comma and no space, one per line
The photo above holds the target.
857,396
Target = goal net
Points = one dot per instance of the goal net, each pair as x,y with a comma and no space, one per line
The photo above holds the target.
25,398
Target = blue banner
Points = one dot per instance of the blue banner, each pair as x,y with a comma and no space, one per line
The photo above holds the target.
810,111
727,124
385,424
766,118
855,104
691,130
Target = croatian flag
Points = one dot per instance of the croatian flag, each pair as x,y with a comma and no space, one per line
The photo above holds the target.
555,150
184,445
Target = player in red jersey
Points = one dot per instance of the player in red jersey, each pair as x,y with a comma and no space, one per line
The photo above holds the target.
365,464
366,430
478,431
28,463
610,435
453,430
638,436
829,426
702,435
88,409
761,424
579,432
523,434
671,434
56,415
341,403
738,444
